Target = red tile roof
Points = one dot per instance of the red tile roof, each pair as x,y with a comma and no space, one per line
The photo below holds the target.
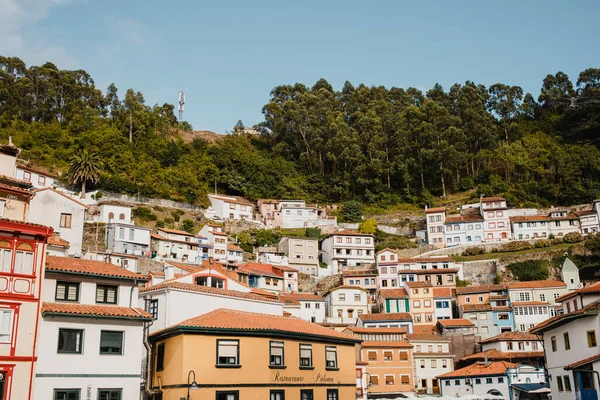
90,267
388,249
413,260
439,292
233,247
493,368
86,310
346,232
529,303
218,233
450,323
387,344
37,171
480,289
590,309
497,355
306,296
423,337
512,336
417,285
208,290
246,322
360,272
11,224
289,300
385,317
393,293
476,307
496,198
583,362
463,218
232,199
56,240
590,289
433,271
536,284
383,331
175,231
529,218
435,210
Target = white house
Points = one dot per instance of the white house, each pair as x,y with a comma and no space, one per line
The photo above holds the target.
534,301
91,326
63,213
530,227
431,357
496,225
348,248
216,239
229,207
344,304
515,342
571,345
435,226
301,253
589,221
386,320
271,255
38,179
128,239
235,254
309,306
387,266
112,212
489,378
173,244
293,214
563,222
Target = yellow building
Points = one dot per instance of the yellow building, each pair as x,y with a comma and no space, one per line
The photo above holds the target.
422,308
236,355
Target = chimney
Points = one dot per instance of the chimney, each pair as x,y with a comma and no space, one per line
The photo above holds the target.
169,272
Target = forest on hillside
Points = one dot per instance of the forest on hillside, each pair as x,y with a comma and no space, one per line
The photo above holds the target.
372,144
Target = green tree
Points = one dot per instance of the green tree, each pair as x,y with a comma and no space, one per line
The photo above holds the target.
85,167
369,227
351,211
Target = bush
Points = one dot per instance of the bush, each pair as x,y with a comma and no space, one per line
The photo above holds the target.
461,283
351,211
514,246
98,195
532,270
144,214
312,233
160,224
473,251
572,237
188,225
176,214
368,227
542,243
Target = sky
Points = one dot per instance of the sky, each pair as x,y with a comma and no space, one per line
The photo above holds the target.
229,55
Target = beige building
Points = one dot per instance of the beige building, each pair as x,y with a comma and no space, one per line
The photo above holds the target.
302,253
422,308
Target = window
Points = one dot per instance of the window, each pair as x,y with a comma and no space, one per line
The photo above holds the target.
559,383
65,220
27,176
446,383
367,241
403,355
427,303
330,357
591,338
69,340
503,316
111,342
389,379
478,381
433,363
422,364
488,380
404,379
131,234
276,354
500,380
534,346
230,395
357,297
67,291
66,394
6,318
342,297
483,316
387,356
228,352
305,355
106,294
160,357
567,341
444,363
332,394
567,382
154,308
109,394
457,382
416,303
306,394
372,355
553,342
23,261
277,395
485,329
41,180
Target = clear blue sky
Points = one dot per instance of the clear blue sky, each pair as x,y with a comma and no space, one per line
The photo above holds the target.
230,54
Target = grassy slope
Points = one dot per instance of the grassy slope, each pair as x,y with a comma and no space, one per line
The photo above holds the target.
503,255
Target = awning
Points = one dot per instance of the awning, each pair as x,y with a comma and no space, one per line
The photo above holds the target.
532,387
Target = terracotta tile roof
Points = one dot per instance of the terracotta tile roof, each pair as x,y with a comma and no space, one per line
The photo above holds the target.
253,271
87,310
361,363
584,213
503,297
463,219
493,368
360,272
502,308
233,247
583,362
174,231
218,233
590,309
387,249
56,240
356,329
264,293
16,189
536,284
156,236
412,260
476,307
232,199
480,289
289,300
435,210
450,323
14,221
306,296
37,171
426,329
208,290
347,232
344,287
193,268
417,285
497,355
387,344
9,180
423,337
90,267
590,289
62,194
529,218
246,322
434,271
495,198
439,292
512,336
393,293
156,273
385,317
529,303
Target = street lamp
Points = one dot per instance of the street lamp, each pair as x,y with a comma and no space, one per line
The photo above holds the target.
193,386
369,383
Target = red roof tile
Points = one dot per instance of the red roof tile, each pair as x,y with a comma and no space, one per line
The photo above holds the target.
90,267
590,309
175,231
463,218
356,329
529,303
233,247
231,199
476,307
583,362
590,289
87,310
435,210
512,336
495,198
56,240
497,355
424,337
245,322
387,344
450,323
536,284
439,292
385,317
493,368
433,271
480,289
360,272
37,171
208,290
417,285
306,296
346,232
393,293
414,260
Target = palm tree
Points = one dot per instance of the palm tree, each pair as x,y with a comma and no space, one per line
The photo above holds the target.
84,167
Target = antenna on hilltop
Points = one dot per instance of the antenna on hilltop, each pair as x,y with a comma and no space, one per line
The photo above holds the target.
181,106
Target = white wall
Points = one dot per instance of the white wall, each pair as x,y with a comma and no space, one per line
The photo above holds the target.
46,208
315,309
334,304
106,209
463,389
34,178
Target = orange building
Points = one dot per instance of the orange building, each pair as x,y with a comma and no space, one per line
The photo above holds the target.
422,307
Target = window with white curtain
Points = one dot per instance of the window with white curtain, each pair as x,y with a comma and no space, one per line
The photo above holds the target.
6,317
228,352
24,262
5,260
